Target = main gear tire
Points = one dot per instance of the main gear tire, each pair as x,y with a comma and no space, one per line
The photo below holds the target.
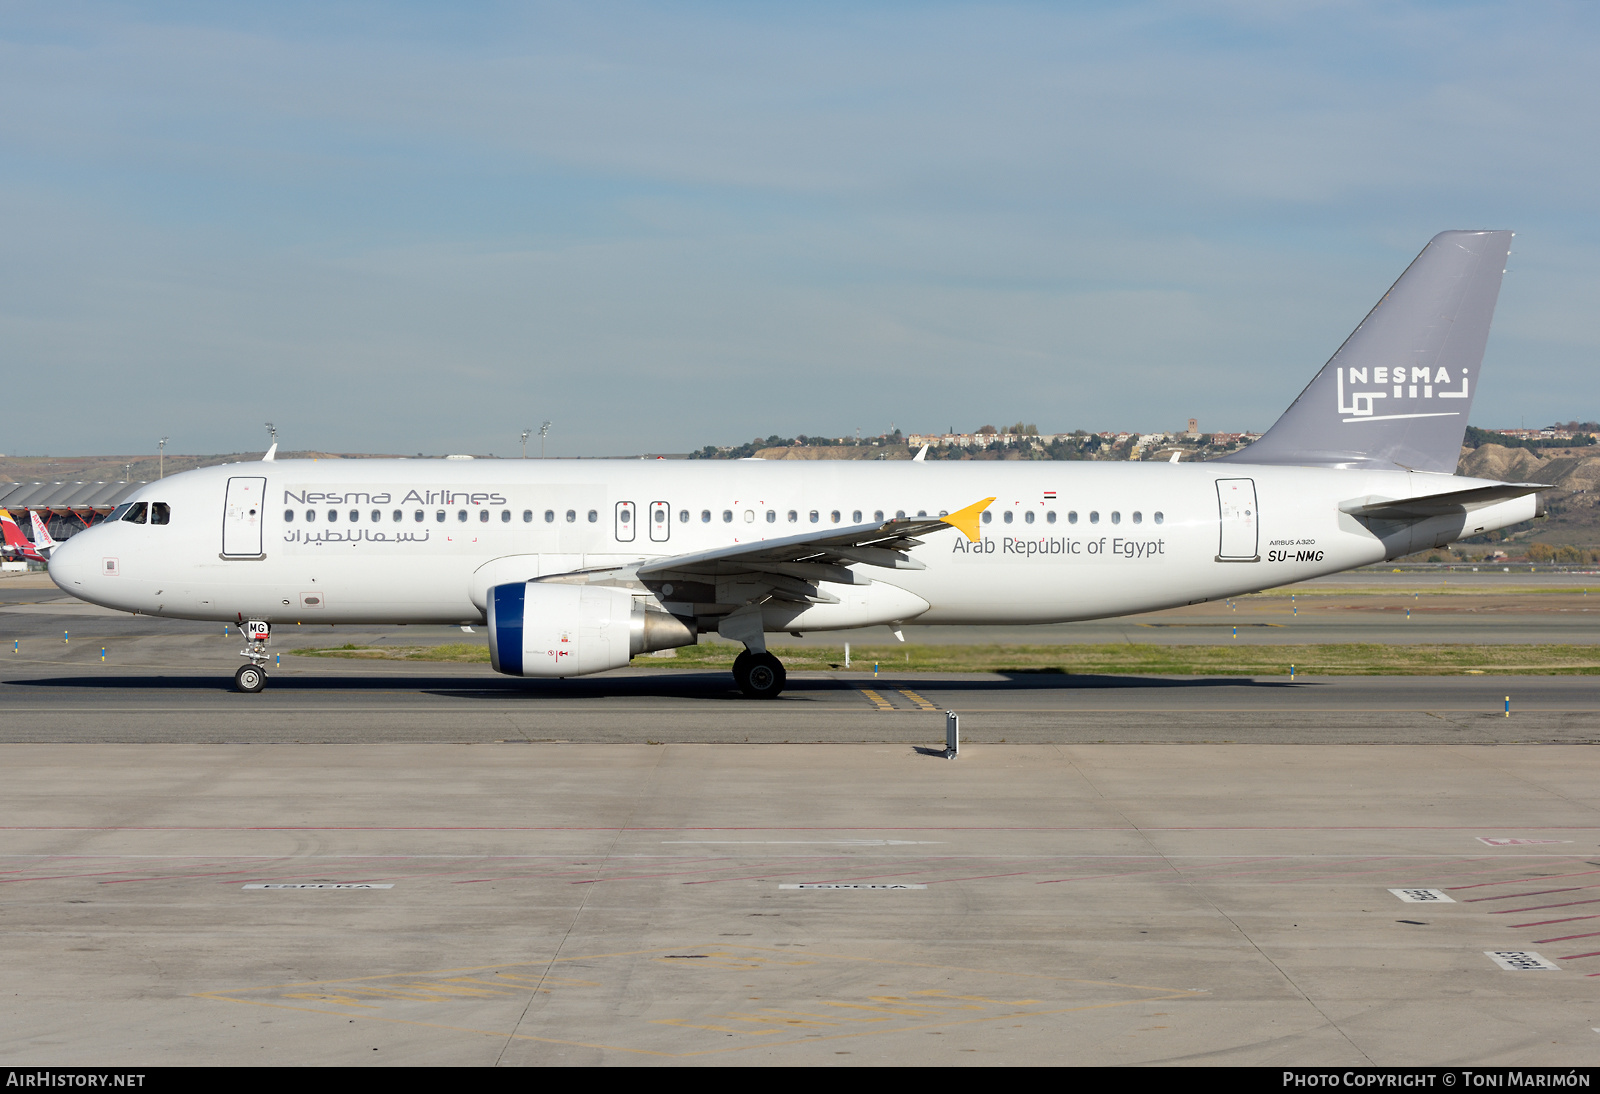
759,675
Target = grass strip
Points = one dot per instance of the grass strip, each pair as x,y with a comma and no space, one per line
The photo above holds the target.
1332,659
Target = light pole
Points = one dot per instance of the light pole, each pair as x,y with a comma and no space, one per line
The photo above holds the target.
525,433
272,432
127,472
161,459
544,431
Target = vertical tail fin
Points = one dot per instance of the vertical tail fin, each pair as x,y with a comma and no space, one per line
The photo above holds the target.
1397,393
42,539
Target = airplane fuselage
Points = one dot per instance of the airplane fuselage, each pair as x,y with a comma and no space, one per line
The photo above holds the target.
422,541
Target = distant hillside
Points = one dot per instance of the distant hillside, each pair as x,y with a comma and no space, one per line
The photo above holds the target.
1573,508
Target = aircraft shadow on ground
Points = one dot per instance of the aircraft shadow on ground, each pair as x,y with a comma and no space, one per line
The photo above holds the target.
681,685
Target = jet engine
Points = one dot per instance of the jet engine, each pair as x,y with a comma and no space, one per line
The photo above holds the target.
552,629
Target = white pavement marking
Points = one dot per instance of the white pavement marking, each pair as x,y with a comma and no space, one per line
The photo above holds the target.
825,886
1423,896
316,885
1519,960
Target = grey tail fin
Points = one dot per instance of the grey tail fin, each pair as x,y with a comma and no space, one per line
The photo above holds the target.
1398,392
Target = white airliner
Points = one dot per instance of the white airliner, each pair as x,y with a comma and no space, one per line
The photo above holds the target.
577,566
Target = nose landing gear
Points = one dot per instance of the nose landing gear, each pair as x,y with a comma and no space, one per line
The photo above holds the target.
253,677
250,678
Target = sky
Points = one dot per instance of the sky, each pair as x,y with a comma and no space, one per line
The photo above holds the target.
425,228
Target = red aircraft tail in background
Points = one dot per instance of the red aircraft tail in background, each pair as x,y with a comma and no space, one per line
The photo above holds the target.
16,544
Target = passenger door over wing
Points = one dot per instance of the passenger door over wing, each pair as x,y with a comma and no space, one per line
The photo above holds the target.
625,521
1240,521
660,521
241,517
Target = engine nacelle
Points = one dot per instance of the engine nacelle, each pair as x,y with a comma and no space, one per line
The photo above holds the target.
552,629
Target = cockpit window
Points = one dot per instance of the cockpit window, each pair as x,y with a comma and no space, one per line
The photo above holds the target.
160,512
137,513
116,514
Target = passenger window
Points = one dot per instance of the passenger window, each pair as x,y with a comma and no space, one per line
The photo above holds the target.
813,516
1027,518
1094,516
661,516
377,516
855,516
793,516
625,516
527,516
461,516
333,515
288,516
1008,516
727,516
899,514
705,516
749,516
877,515
1138,517
1159,518
683,516
483,516
594,515
417,516
835,516
549,516
572,516
987,516
398,515
772,516
1050,517
438,517
1116,517
1072,516
355,516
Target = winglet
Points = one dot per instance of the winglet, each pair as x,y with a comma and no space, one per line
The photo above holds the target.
272,453
965,520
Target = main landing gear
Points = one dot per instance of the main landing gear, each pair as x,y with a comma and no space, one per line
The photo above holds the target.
759,675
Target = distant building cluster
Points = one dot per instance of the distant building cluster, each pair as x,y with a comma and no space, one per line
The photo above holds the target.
1126,444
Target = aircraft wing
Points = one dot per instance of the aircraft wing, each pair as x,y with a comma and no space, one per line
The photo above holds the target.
1432,505
790,568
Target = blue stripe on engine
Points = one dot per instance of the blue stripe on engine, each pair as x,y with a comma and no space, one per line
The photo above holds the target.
505,624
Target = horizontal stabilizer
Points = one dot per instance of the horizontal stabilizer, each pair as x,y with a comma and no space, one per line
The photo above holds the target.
1433,505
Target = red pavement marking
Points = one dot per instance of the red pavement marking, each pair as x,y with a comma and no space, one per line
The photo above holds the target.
1565,938
1547,922
1523,880
1536,892
1542,907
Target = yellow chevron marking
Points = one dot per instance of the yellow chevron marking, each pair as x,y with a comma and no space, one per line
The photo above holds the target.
922,703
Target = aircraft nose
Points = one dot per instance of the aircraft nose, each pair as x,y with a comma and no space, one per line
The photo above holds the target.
72,566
